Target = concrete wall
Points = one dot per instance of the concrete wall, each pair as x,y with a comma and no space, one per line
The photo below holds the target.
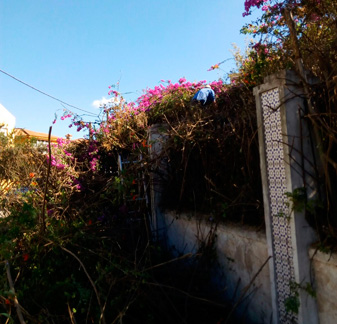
325,271
242,251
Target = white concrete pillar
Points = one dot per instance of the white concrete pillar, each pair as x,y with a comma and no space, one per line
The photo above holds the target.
286,160
156,140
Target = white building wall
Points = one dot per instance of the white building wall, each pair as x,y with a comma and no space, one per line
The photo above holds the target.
7,120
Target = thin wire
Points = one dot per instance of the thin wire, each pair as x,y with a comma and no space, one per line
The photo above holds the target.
46,94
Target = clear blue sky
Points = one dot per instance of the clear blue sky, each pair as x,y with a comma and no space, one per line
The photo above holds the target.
73,50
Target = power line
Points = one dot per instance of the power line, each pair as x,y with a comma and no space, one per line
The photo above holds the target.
46,94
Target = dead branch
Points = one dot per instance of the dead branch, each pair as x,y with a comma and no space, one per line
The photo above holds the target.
16,302
102,318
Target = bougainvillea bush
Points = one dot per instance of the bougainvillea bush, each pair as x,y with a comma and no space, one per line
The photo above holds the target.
212,153
314,27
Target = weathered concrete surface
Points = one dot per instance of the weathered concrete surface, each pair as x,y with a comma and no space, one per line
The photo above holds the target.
325,271
156,140
241,253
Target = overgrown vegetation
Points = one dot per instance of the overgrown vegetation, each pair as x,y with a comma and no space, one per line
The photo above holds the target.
211,152
301,35
74,218
90,257
75,237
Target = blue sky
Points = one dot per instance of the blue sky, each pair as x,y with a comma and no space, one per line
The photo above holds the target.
73,50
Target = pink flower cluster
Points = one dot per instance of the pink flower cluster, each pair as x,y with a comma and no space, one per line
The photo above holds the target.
266,5
213,67
77,184
252,3
116,93
94,164
261,48
65,116
151,98
56,162
80,125
156,95
93,156
60,154
62,159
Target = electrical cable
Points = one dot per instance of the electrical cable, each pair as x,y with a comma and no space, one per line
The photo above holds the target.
46,94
